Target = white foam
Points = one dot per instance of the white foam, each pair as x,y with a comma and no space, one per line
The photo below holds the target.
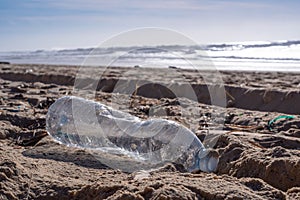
256,56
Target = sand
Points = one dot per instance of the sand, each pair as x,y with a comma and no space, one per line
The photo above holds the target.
256,161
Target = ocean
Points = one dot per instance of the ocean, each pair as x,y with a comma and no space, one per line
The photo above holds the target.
243,56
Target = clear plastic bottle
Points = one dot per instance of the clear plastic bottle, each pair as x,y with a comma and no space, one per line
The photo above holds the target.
133,144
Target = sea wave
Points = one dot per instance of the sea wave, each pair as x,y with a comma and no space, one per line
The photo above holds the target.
270,56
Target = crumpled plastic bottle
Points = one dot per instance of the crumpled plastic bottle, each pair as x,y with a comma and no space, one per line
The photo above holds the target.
132,142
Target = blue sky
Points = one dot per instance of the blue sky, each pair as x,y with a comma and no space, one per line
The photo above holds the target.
51,24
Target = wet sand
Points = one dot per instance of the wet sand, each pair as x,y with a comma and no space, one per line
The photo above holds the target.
256,161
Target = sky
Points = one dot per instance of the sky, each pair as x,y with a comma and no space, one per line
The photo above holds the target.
58,24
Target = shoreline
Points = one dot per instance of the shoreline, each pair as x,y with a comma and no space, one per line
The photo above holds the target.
167,67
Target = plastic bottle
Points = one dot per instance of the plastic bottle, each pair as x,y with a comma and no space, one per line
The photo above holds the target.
133,144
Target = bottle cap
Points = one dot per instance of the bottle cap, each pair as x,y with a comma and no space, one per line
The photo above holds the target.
210,162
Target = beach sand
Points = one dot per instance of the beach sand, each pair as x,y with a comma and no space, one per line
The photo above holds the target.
256,161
